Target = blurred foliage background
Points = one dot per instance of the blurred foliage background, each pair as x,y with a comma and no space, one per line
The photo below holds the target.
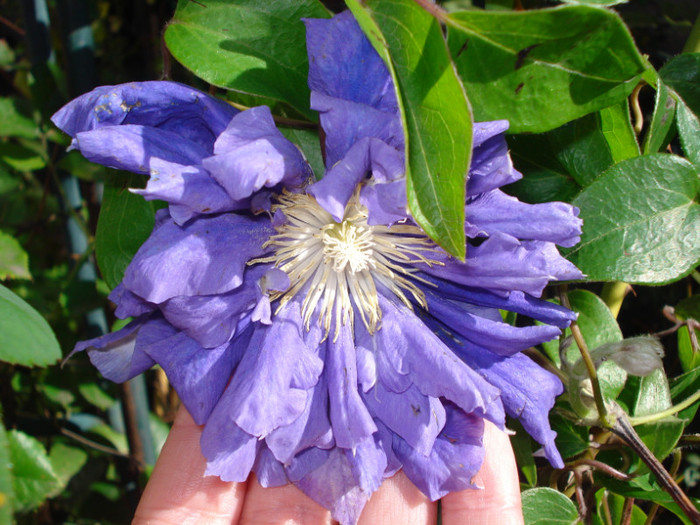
80,447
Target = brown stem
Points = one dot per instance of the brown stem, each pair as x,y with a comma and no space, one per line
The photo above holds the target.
623,428
626,517
603,467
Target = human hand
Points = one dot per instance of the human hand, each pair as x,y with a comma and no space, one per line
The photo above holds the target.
178,493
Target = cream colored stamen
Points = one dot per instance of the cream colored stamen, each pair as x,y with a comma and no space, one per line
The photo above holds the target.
339,264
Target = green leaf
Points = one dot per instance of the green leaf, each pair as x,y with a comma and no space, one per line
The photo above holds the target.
618,132
689,131
688,308
435,113
21,157
659,134
689,358
14,261
641,222
616,504
249,46
66,462
16,119
94,395
545,178
571,439
545,506
542,68
310,145
33,476
682,75
25,337
6,491
661,437
653,395
125,222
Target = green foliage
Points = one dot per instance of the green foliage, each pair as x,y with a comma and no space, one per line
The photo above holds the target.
33,477
248,46
545,506
540,69
437,152
25,337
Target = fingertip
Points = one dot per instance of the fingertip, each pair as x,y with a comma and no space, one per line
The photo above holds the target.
178,492
498,502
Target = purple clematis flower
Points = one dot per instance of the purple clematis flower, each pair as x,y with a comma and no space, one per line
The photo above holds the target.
312,327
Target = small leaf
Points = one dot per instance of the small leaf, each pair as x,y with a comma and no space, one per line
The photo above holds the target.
125,222
682,75
94,395
33,476
16,119
21,157
542,68
14,261
571,439
641,222
248,46
659,134
690,359
545,506
661,437
689,131
618,132
653,395
522,448
66,462
435,114
25,336
310,146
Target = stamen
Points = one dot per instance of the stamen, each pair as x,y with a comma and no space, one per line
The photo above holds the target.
337,264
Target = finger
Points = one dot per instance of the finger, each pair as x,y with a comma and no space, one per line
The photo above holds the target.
281,505
178,492
498,503
399,501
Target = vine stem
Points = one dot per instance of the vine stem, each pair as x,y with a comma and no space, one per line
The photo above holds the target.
613,294
665,413
590,365
624,429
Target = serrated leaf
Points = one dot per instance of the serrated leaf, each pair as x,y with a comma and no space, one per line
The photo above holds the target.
545,506
25,336
125,222
33,476
542,68
658,136
14,261
6,490
249,46
16,119
435,114
641,222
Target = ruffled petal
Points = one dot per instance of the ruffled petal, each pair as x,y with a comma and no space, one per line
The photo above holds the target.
343,63
491,166
204,257
116,355
495,212
252,153
169,106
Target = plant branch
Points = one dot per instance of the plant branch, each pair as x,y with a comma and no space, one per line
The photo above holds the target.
665,413
624,429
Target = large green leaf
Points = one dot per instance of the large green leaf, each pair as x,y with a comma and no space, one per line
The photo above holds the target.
126,220
16,119
14,261
6,490
641,221
682,75
25,336
33,476
436,114
247,45
545,506
542,68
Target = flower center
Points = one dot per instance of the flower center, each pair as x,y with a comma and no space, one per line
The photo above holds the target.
338,266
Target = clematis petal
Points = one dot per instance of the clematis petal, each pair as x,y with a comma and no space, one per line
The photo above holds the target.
343,64
204,257
229,450
251,153
352,422
495,211
274,379
168,106
135,148
491,166
268,470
